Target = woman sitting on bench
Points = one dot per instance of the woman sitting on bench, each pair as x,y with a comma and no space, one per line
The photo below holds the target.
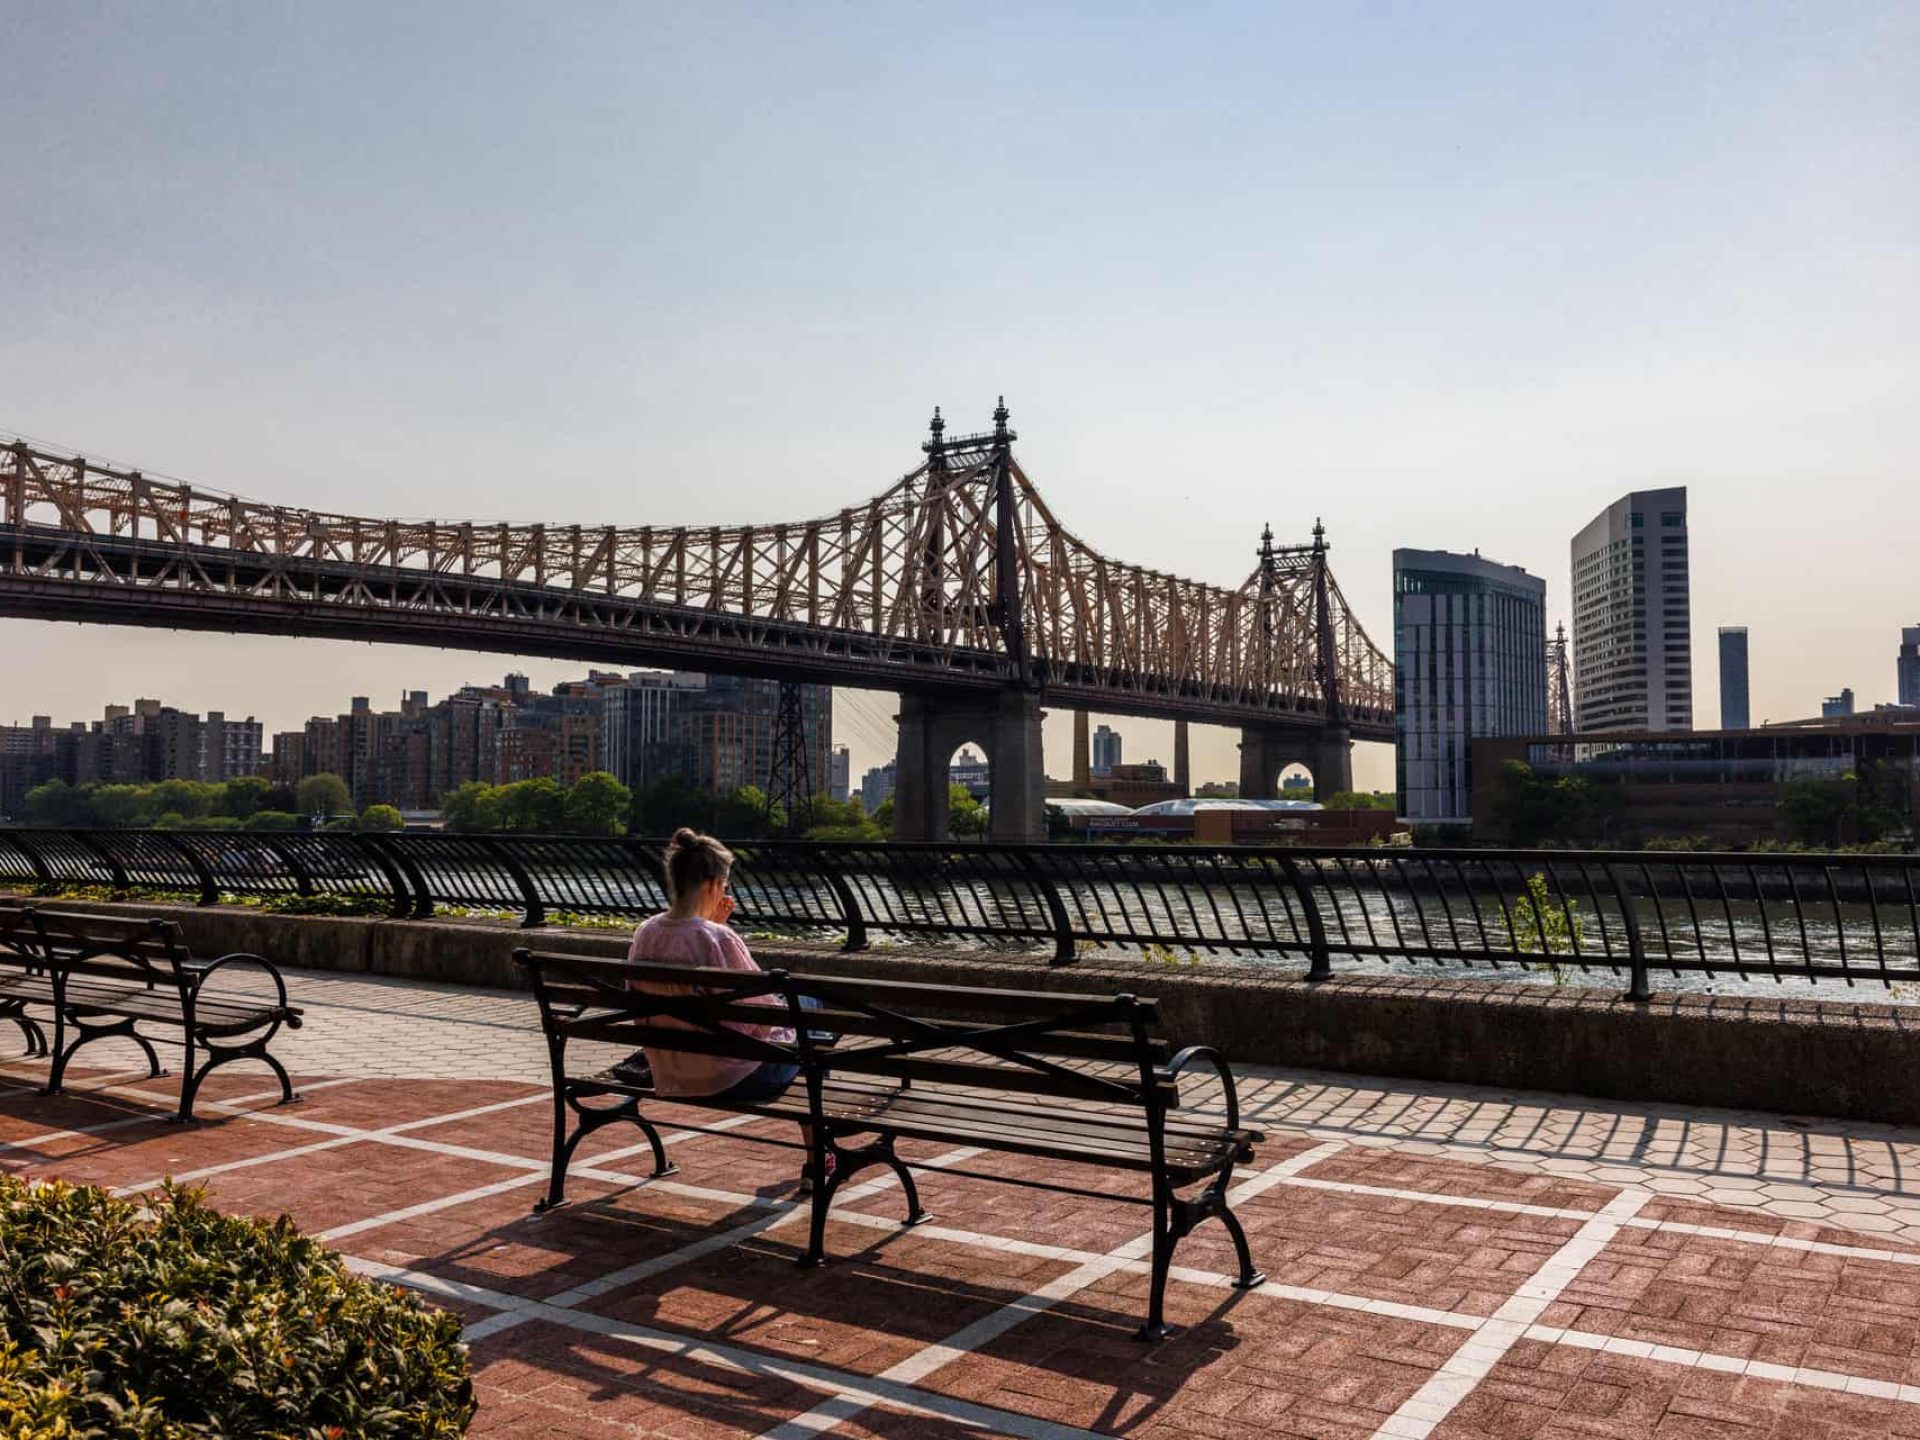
693,932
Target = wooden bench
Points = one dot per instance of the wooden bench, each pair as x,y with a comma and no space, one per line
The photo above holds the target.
106,975
1063,1077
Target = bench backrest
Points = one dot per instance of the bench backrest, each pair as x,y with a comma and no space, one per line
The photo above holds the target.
145,952
1071,1046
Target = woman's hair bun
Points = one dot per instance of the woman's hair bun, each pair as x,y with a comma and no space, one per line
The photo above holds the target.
685,838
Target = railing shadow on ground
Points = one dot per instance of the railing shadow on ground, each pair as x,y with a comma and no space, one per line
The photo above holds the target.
1624,915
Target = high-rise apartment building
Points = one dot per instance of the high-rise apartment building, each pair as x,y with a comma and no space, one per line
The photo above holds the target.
636,724
1736,713
840,782
1908,691
1106,750
1632,616
1470,659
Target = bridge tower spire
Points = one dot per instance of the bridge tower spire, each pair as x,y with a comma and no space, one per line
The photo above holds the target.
1006,554
1326,647
1559,686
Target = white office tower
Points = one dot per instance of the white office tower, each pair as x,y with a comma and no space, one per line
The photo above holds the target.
1633,616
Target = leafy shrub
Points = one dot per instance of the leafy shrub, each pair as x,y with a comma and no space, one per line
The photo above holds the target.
178,1323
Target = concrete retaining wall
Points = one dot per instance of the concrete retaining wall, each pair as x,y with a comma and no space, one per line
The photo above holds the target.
1796,1057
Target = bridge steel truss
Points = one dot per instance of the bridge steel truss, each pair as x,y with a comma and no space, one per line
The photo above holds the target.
959,576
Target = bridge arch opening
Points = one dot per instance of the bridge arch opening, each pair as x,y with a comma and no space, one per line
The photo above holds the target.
969,790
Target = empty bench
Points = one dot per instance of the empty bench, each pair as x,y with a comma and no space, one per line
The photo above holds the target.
1063,1077
106,975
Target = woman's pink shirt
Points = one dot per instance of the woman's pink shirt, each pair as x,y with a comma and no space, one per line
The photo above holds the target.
697,944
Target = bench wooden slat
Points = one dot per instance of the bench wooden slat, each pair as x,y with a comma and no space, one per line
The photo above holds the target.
1071,1044
899,994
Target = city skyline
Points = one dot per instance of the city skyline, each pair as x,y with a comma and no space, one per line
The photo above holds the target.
1450,282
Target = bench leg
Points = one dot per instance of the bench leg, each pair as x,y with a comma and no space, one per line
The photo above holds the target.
846,1163
88,1034
36,1038
218,1055
1164,1239
591,1120
915,1214
1174,1219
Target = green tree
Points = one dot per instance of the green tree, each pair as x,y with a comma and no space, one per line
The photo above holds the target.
966,816
1360,800
1819,813
745,814
1528,809
192,799
57,804
120,805
597,804
382,817
670,802
532,807
473,808
323,795
244,794
830,819
272,820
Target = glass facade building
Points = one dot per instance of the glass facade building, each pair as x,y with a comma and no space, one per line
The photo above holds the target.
1909,674
1470,659
1736,713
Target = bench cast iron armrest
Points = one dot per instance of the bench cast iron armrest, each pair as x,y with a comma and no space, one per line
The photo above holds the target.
195,973
1218,1064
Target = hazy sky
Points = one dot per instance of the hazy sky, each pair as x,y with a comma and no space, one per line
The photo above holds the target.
1449,276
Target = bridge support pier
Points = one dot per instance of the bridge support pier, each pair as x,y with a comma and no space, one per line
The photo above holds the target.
1007,727
1265,753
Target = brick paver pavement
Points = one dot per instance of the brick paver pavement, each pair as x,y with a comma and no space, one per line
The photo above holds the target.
1441,1260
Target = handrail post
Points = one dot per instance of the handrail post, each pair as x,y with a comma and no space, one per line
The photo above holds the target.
203,872
856,922
289,857
116,871
1063,951
536,915
42,876
1639,989
1319,953
375,845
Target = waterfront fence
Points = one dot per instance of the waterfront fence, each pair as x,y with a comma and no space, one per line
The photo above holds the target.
1630,914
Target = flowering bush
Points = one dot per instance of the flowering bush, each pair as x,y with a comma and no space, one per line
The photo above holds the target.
174,1322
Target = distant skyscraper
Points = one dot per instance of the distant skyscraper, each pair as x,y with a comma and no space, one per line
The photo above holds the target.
1835,706
1470,659
1735,712
1106,750
1909,688
1632,617
842,777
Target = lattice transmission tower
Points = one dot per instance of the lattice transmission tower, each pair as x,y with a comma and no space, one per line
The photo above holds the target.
790,784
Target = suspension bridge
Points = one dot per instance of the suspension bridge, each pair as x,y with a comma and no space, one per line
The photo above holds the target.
957,588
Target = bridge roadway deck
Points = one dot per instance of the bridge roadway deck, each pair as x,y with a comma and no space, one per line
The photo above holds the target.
1442,1260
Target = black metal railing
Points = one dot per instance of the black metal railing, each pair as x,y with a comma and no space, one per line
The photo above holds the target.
1850,918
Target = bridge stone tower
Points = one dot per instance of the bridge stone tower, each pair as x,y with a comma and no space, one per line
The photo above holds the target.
1325,749
1005,725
